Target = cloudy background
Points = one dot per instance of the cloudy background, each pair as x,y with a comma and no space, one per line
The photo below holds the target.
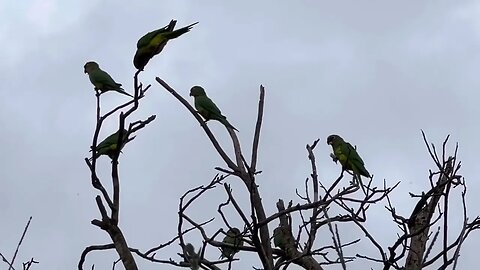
375,72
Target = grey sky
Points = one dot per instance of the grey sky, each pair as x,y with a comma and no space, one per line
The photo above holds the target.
375,72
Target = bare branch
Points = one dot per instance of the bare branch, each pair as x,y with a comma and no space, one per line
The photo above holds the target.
20,242
258,126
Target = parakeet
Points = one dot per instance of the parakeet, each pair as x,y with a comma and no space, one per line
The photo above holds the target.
192,257
348,156
101,80
279,237
233,238
109,145
206,108
153,42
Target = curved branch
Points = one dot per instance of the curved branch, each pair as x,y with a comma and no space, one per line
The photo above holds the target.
92,248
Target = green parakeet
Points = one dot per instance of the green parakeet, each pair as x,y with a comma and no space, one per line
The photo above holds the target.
109,145
206,108
101,80
279,237
192,257
233,238
153,42
348,157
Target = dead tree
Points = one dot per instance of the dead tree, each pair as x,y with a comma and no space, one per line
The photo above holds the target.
321,210
109,219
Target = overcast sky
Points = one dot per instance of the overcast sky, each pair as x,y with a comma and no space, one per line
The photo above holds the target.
374,72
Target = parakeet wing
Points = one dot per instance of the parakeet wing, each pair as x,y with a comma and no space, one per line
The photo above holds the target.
205,103
179,32
147,38
234,238
279,237
110,140
350,159
351,153
100,77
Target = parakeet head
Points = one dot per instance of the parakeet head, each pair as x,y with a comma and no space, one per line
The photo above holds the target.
140,60
89,66
197,91
189,249
334,139
233,232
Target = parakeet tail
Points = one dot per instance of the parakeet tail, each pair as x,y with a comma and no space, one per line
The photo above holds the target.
123,92
171,25
180,31
364,172
227,124
360,183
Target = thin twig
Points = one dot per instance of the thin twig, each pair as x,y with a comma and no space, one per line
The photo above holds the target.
19,243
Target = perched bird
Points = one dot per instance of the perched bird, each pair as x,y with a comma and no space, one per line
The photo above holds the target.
153,42
279,237
206,108
101,80
348,157
109,145
233,238
192,257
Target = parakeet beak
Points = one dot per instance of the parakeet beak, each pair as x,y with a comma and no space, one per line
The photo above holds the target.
85,70
191,94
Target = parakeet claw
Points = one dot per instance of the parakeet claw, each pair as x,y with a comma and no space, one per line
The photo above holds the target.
334,158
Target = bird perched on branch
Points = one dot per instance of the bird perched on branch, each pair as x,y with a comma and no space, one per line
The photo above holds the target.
192,257
102,81
109,145
153,43
280,237
233,239
206,108
348,157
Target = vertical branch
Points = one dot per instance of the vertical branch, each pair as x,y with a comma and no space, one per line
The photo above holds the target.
249,180
258,126
421,217
291,252
115,178
116,191
94,142
240,168
339,248
445,222
314,175
456,254
122,248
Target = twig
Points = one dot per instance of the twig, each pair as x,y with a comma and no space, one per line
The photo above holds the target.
19,243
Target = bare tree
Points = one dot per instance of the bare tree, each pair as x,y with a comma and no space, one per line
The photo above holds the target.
423,235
